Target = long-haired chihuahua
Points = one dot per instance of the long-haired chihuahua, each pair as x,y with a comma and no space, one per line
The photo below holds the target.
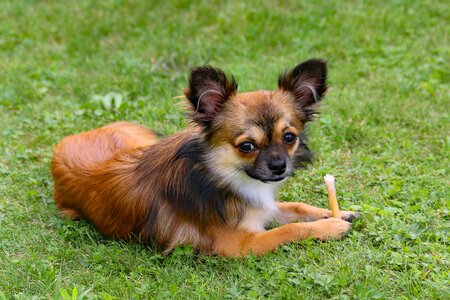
211,185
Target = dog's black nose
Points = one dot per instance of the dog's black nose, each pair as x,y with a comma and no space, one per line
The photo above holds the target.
277,166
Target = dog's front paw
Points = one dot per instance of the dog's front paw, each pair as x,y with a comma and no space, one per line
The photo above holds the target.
330,229
349,216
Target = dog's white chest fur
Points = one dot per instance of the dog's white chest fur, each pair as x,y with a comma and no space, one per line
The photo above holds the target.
263,208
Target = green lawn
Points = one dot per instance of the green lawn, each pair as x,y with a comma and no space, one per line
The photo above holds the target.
384,133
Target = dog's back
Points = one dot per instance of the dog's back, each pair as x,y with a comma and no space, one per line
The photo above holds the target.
77,160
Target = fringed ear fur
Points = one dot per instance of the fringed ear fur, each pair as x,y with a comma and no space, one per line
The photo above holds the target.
208,90
307,83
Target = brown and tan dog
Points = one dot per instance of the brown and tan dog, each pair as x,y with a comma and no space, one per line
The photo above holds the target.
211,185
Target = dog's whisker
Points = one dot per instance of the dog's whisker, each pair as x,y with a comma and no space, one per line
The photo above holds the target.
313,90
205,92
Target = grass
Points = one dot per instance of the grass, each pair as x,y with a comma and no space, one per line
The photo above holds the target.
383,133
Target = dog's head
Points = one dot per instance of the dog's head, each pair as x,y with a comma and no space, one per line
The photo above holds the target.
255,135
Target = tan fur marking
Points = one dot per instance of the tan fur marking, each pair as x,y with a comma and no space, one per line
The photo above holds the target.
231,242
253,134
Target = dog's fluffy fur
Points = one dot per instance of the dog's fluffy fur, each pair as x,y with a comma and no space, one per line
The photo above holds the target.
211,185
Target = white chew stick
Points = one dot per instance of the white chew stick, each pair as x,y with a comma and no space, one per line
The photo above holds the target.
329,181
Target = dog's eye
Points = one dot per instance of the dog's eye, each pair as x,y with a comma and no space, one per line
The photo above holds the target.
246,147
289,138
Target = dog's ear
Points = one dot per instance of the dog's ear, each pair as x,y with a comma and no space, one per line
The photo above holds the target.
307,83
208,90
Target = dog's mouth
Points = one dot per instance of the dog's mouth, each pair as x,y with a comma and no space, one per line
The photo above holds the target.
274,178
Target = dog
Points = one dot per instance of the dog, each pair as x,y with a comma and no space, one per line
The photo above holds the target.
211,185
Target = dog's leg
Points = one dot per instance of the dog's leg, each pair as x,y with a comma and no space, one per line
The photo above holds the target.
240,243
294,211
